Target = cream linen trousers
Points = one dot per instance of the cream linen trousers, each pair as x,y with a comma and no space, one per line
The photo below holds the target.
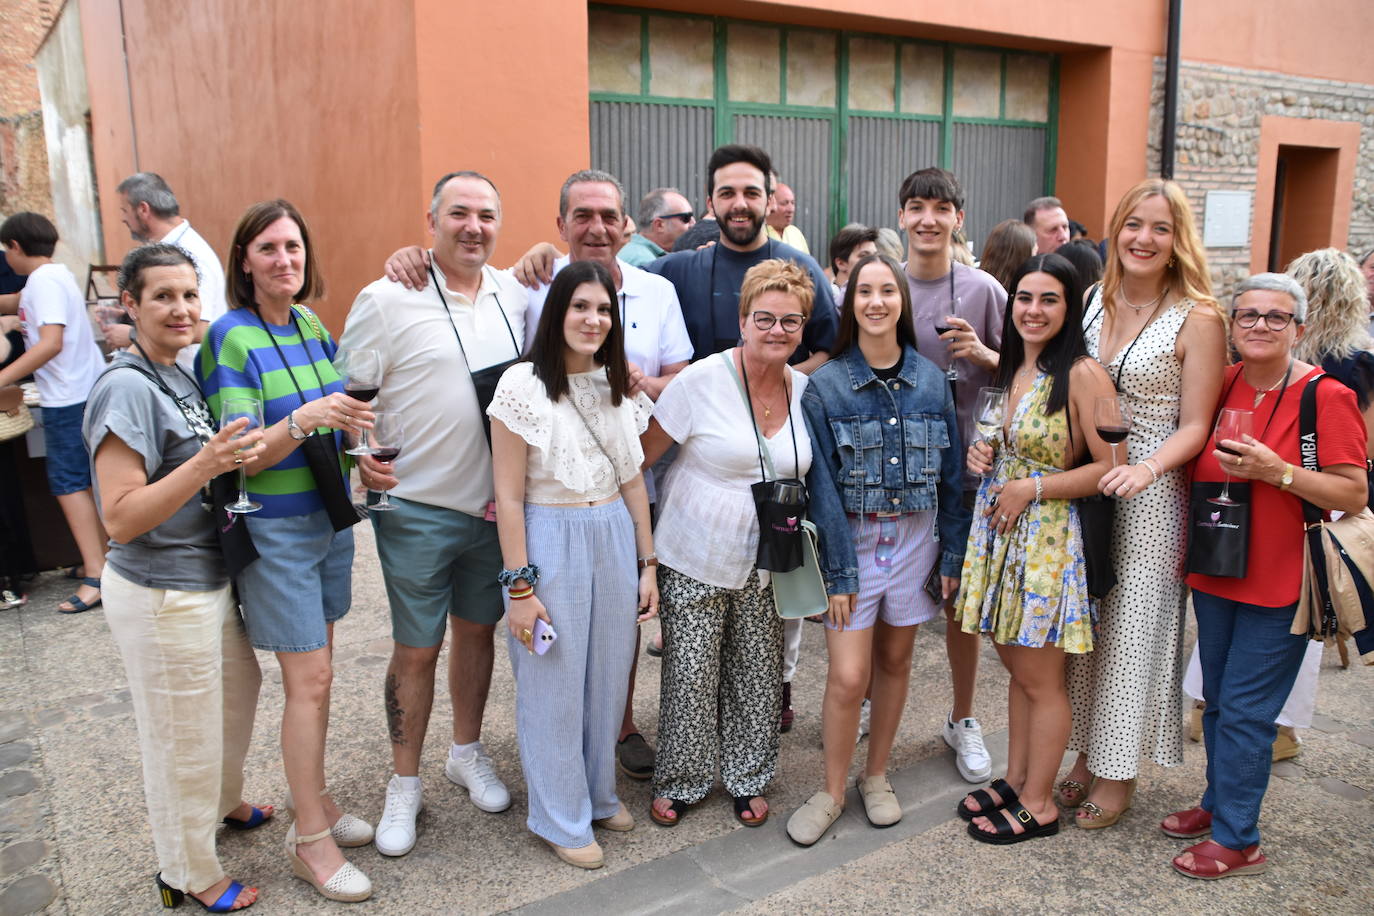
194,681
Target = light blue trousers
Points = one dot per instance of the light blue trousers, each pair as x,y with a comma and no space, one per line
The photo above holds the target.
569,701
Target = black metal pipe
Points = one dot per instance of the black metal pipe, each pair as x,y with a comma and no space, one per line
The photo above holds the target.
1169,129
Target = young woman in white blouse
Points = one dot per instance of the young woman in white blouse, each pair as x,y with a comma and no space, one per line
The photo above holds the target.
572,515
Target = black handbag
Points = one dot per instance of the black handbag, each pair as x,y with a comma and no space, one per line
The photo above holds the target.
779,501
1095,516
484,381
321,454
1218,536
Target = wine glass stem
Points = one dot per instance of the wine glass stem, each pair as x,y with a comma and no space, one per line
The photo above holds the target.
1226,487
243,486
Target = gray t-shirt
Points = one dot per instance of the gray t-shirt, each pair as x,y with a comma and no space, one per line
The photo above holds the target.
182,553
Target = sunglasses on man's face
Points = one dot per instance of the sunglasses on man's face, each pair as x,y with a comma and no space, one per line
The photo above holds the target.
685,217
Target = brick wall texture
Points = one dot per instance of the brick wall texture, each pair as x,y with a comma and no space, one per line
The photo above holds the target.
1219,112
24,182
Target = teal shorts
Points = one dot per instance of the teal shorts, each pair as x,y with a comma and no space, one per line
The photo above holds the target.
436,562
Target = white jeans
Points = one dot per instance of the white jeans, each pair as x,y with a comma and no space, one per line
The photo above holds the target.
1302,700
194,681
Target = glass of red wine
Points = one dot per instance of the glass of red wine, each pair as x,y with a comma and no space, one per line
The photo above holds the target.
943,327
1112,417
1233,423
361,371
386,438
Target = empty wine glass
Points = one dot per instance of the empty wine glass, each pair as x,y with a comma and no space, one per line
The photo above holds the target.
989,415
942,326
1112,417
386,438
1232,423
235,409
361,371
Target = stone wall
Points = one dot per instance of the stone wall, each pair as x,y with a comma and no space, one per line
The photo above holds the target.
24,181
1218,142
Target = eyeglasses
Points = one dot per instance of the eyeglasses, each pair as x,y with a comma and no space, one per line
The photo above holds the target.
1274,321
685,217
790,323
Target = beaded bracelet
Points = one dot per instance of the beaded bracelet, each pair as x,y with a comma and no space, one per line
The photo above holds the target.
508,577
1039,487
1151,468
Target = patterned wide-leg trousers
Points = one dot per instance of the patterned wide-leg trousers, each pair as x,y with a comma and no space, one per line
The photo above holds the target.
721,691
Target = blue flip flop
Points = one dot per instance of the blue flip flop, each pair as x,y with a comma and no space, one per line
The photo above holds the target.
77,605
256,819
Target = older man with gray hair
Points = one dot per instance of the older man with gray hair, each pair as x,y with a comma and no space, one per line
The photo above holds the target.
150,210
664,215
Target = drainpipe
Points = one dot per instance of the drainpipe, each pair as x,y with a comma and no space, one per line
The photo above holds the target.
1169,129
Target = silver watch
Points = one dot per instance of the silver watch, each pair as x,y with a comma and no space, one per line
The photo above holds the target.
294,431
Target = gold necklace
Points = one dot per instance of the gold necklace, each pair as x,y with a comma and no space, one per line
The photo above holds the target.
1259,395
1140,308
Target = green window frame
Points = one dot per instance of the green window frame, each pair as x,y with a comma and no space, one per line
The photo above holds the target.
724,109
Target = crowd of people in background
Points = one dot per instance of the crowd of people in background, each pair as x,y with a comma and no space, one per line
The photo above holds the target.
630,424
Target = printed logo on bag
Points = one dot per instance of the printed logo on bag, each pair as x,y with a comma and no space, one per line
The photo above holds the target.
789,528
1214,521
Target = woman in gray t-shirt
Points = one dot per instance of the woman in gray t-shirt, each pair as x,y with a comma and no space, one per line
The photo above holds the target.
193,676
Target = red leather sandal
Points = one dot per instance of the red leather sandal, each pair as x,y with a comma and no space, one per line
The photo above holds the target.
1188,825
1211,860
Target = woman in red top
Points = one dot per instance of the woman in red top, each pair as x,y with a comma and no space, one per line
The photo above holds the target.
1249,658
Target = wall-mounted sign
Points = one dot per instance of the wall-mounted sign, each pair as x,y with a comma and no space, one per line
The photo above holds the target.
1226,220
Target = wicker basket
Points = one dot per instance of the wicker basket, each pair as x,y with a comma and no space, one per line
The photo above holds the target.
14,424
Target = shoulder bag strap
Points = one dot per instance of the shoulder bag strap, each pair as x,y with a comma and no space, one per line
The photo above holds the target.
765,457
1312,516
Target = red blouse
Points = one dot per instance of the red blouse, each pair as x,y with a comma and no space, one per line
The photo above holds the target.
1276,527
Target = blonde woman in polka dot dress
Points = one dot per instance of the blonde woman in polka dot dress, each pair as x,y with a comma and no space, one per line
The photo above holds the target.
1157,329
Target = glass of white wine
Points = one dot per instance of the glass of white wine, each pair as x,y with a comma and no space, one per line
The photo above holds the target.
989,415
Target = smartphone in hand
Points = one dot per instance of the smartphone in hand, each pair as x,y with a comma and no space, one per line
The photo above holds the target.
544,637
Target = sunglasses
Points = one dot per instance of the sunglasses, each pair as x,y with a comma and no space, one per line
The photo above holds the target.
685,217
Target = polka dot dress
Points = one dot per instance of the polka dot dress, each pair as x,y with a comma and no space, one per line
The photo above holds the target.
1126,694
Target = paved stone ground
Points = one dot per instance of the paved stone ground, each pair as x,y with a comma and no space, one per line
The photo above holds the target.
75,837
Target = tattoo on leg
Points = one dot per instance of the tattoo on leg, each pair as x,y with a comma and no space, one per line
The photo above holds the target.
394,712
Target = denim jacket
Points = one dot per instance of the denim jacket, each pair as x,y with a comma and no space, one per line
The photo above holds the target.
882,448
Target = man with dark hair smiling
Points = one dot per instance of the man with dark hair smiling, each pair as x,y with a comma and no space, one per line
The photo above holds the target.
708,280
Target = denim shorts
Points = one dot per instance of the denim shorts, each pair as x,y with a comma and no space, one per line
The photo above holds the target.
69,464
436,562
301,582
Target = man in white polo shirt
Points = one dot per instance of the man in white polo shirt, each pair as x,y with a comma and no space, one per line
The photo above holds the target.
150,210
591,220
442,348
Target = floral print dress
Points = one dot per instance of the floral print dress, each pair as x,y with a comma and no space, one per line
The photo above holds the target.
1029,587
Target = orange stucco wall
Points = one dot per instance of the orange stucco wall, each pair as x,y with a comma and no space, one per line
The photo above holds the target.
238,102
354,115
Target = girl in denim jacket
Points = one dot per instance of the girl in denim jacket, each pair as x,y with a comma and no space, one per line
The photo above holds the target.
885,490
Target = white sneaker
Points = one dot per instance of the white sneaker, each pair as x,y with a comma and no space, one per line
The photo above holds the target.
970,754
474,773
396,830
864,711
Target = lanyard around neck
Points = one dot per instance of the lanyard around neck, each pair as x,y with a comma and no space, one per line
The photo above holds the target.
448,311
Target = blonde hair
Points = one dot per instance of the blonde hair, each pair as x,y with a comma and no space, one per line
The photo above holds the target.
1186,269
959,250
1337,320
776,275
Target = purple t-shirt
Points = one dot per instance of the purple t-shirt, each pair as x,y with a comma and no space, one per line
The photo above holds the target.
982,303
